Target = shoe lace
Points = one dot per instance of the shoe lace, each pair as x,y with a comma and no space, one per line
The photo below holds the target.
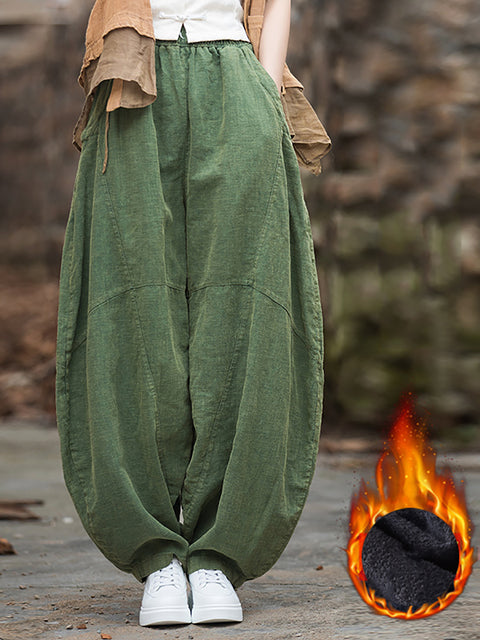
167,576
212,575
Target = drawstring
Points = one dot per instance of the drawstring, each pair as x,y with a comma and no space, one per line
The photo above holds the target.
106,142
112,104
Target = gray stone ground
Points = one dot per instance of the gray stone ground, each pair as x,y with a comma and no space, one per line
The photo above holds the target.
59,578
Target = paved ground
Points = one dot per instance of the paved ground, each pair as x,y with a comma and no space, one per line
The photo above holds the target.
59,578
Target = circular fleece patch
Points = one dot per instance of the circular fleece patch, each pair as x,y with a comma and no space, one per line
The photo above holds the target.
410,557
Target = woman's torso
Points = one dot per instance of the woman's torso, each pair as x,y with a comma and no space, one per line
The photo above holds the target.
203,19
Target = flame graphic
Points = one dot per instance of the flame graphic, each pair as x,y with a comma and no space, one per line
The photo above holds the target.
406,477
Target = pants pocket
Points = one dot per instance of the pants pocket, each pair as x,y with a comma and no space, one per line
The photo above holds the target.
266,79
269,87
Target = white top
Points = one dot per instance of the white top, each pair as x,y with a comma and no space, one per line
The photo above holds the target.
203,19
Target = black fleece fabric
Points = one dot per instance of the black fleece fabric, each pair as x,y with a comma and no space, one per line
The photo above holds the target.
410,557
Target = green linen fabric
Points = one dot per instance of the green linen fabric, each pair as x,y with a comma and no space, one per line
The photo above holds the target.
190,332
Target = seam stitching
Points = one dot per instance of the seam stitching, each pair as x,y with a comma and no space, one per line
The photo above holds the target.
132,288
147,364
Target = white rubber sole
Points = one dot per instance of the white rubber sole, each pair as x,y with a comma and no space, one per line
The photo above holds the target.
172,615
215,613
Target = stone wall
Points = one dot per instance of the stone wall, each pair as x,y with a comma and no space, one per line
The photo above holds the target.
41,47
394,213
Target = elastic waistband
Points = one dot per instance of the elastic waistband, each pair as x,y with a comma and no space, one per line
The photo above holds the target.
182,40
203,43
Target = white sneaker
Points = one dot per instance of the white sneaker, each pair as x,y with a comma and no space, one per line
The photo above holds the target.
214,598
165,599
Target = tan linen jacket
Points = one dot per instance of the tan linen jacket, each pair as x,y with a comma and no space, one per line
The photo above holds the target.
120,45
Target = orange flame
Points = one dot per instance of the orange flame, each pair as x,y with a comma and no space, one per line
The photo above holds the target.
406,477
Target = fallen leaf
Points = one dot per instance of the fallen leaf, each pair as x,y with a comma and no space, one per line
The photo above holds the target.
6,547
105,636
16,510
320,567
82,625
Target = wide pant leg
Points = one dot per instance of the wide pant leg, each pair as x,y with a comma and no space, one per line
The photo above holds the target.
122,345
189,347
255,319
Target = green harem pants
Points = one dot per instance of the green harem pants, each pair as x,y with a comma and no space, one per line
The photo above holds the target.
190,332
